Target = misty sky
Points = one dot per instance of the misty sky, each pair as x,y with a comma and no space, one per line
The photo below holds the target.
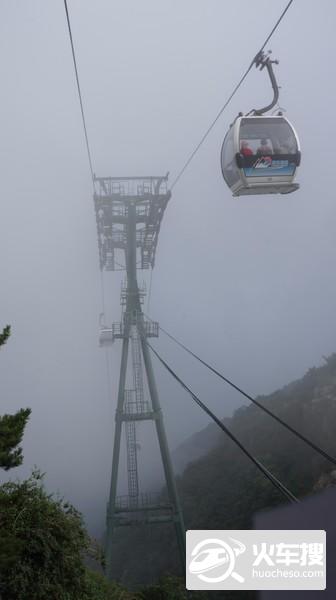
248,283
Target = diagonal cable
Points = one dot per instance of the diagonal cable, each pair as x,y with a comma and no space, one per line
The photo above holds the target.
79,90
299,435
276,483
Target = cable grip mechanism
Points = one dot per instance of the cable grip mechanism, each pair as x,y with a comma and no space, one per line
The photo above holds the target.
261,61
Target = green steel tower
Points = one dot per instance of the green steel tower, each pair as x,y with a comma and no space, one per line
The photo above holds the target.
129,212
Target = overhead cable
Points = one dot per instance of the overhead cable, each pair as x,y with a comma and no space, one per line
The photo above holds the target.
280,486
79,90
253,400
275,26
211,126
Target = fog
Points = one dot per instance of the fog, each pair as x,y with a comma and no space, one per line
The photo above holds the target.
248,283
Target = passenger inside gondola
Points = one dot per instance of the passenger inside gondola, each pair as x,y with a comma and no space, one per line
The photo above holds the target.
245,148
264,148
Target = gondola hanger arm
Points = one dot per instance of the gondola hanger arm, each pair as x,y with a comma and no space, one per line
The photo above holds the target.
261,61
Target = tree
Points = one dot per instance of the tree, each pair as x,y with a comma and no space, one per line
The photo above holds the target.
5,335
43,540
99,588
11,432
41,545
11,427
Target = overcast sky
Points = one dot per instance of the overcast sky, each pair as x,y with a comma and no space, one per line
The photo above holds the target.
248,283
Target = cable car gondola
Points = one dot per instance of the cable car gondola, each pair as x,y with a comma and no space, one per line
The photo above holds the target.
261,153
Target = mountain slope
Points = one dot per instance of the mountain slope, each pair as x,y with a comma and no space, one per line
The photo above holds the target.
223,490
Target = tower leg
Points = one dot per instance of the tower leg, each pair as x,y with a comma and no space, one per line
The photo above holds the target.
165,454
116,455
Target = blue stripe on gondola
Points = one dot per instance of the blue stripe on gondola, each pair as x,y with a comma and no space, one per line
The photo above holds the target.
287,170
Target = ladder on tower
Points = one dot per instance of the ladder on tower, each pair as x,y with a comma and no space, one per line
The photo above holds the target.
132,463
141,405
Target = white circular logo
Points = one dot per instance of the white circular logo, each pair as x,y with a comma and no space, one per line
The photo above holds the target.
218,553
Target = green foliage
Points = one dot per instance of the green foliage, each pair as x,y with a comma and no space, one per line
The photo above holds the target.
41,545
168,588
5,335
173,588
223,490
98,588
11,427
11,433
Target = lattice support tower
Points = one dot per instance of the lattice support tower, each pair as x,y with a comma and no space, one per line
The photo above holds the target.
129,212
